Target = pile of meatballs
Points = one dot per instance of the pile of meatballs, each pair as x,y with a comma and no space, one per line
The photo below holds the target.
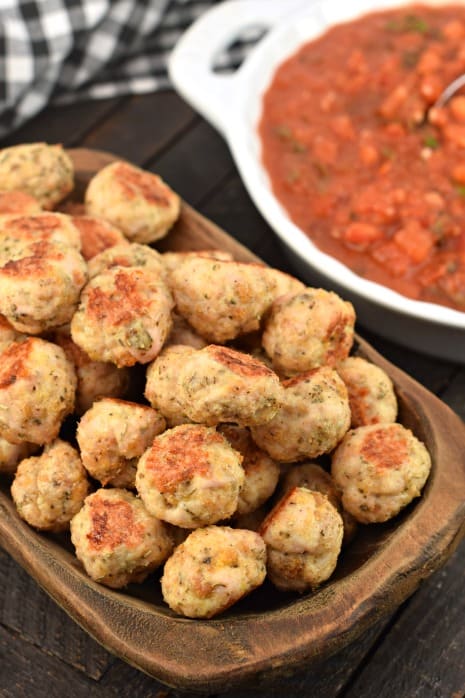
257,444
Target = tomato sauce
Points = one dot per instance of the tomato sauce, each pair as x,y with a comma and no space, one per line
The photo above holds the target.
363,162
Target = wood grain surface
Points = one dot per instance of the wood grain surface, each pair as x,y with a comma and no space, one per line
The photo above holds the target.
416,651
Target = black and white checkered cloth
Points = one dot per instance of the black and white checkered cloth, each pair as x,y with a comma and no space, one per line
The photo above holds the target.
61,51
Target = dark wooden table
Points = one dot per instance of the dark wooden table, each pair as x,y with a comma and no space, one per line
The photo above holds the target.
417,652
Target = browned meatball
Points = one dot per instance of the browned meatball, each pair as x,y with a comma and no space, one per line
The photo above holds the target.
50,489
212,569
303,535
137,202
113,434
218,384
313,417
37,390
117,540
190,476
124,316
309,329
379,469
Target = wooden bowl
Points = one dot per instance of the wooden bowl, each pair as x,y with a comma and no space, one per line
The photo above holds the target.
268,633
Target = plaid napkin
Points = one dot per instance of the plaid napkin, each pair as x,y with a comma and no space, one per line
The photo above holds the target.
62,51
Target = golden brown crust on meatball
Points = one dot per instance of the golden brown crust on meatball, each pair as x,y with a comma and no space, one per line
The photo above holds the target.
221,300
37,389
41,271
124,316
97,235
137,202
371,392
313,417
379,469
303,534
190,476
307,330
117,540
113,434
48,226
219,384
44,171
49,489
212,569
18,202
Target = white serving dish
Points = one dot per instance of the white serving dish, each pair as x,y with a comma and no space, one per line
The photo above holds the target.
232,103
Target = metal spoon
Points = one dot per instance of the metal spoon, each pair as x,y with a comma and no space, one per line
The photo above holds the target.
450,90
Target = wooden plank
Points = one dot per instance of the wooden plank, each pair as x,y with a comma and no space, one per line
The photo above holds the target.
424,652
27,671
66,124
195,164
29,612
142,126
124,681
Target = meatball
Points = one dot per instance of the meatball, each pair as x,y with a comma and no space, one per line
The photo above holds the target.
41,273
161,388
12,454
313,477
221,300
44,171
37,389
284,284
48,490
128,254
312,328
183,334
172,260
16,232
371,392
313,418
379,469
261,472
113,434
97,235
124,316
219,384
117,540
214,568
8,334
137,202
190,476
303,535
95,379
18,202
